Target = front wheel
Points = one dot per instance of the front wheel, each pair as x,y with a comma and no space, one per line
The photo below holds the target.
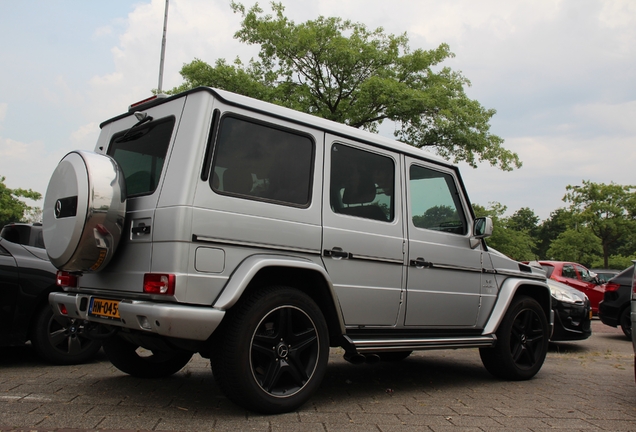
61,340
626,322
522,342
272,352
139,362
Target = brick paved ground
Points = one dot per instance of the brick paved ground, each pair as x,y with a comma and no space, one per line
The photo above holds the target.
584,386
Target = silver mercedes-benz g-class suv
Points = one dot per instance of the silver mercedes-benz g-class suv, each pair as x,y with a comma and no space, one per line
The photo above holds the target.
259,237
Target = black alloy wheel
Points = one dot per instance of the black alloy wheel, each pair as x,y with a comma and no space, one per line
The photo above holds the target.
522,342
625,321
273,351
142,363
62,340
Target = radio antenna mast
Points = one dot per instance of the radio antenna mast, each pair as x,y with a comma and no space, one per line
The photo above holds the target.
163,49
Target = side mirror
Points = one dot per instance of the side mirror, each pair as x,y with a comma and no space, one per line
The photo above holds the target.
482,228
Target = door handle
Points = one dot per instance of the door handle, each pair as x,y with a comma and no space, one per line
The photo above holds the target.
420,263
337,253
141,229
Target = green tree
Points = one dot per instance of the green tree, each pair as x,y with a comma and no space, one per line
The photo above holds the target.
343,71
580,246
516,244
607,210
12,209
559,221
524,219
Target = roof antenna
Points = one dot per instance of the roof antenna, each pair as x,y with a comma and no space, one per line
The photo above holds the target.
163,49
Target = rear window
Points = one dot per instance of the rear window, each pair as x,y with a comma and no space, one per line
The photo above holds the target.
261,162
548,270
141,153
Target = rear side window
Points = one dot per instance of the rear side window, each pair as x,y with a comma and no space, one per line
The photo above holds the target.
258,161
362,183
141,153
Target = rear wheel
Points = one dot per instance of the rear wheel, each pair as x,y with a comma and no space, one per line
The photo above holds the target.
61,340
273,351
522,342
142,363
626,322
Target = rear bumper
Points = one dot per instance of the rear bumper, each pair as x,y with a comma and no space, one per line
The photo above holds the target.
609,313
164,319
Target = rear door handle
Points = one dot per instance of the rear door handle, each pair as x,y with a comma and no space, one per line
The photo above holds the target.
337,253
141,229
420,263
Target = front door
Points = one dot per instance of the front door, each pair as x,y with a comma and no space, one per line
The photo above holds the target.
444,272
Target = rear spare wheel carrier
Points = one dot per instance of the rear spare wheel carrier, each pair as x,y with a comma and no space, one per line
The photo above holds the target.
84,211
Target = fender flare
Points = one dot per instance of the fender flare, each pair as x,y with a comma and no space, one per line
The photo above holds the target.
249,268
507,292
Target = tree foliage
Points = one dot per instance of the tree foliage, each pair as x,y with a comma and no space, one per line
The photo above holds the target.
514,243
580,246
345,72
607,210
12,209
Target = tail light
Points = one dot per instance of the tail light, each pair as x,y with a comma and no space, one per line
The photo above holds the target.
66,279
611,286
159,283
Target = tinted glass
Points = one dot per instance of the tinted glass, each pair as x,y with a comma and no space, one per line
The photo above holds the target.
141,153
434,201
362,183
257,161
568,271
584,273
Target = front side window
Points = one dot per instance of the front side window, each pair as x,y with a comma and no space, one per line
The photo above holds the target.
257,161
141,153
362,183
585,274
434,201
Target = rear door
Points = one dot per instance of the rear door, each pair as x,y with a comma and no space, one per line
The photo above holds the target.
143,153
363,238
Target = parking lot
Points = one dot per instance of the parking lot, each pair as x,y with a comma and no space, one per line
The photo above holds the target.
587,385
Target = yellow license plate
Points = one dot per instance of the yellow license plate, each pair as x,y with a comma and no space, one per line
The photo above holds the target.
104,308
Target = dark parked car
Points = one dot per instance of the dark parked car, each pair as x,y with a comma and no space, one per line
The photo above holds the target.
26,279
614,310
572,313
576,276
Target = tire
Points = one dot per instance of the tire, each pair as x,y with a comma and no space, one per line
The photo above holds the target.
272,351
130,359
394,356
61,340
522,342
626,322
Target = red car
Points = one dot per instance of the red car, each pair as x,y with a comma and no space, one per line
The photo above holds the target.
576,276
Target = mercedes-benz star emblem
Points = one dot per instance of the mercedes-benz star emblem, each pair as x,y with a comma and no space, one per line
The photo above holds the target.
58,208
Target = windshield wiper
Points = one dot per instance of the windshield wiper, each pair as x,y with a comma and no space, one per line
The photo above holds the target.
142,118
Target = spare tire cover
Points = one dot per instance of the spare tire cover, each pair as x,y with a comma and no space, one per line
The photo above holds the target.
84,212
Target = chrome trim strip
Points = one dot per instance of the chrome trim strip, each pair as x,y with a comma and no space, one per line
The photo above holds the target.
379,345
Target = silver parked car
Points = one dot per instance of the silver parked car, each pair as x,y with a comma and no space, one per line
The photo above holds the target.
258,237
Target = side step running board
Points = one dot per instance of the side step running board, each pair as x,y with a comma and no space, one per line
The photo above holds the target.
365,345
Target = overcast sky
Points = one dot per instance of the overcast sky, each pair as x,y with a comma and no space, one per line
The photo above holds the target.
560,73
